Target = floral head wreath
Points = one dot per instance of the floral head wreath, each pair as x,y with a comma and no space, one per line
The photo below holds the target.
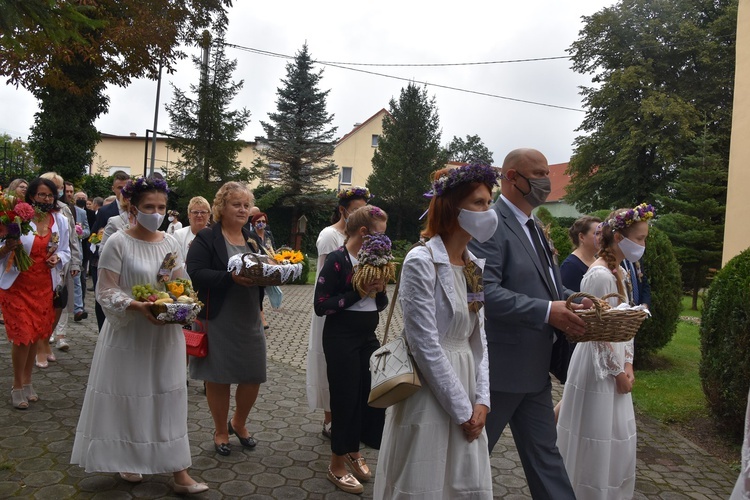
173,213
351,192
141,184
474,172
641,213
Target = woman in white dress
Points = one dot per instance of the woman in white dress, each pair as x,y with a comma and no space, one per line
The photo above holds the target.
174,222
329,239
434,443
742,486
596,431
134,415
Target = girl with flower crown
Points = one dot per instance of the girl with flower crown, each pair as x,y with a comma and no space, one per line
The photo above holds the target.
348,342
134,415
434,442
329,239
596,431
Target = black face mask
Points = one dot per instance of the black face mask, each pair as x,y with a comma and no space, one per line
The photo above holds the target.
45,207
81,203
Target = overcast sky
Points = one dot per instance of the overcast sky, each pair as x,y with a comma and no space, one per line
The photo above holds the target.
389,32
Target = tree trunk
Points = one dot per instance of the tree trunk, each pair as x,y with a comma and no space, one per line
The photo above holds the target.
695,298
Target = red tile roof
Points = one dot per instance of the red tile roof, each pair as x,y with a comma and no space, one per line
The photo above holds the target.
559,180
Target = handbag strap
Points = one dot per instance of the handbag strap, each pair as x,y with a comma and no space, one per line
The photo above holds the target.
395,292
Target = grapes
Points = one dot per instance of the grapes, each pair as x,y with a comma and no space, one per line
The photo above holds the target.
142,292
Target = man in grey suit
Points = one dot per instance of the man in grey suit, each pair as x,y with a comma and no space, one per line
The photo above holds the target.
525,302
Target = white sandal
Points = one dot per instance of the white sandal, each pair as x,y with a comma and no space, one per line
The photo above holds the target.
18,399
30,394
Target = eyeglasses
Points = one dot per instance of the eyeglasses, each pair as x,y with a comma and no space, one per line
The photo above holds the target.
199,213
45,196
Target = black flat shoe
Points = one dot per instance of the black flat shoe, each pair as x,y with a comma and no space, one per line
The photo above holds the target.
222,449
247,442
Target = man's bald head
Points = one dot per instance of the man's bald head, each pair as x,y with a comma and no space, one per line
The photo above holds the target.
522,160
519,166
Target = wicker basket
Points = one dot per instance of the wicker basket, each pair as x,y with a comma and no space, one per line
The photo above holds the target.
157,309
266,271
604,324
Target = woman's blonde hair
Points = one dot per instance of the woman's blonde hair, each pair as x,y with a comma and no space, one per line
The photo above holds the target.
54,177
364,216
198,200
223,194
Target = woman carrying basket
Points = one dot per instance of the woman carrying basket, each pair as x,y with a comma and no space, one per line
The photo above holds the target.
596,431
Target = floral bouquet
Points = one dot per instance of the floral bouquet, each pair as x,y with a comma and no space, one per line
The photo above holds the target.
79,231
15,221
179,304
286,255
374,262
96,238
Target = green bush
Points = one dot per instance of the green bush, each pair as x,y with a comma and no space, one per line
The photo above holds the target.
725,345
663,273
561,240
400,247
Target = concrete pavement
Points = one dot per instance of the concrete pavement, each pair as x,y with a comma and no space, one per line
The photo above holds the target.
291,457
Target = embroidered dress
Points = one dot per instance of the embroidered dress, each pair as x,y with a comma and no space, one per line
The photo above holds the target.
134,415
424,453
596,431
318,396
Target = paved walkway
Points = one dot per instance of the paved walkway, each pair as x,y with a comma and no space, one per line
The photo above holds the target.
291,458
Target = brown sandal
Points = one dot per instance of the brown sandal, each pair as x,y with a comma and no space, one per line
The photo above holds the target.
359,467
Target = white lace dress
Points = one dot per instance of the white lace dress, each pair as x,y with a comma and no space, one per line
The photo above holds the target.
134,415
596,431
318,396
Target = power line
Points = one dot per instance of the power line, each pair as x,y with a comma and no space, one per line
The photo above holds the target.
448,87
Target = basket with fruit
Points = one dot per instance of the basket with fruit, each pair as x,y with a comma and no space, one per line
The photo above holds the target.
263,270
179,304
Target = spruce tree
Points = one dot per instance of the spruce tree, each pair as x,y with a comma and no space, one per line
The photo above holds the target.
297,157
408,152
207,128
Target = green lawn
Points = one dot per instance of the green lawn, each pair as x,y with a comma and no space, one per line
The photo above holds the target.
687,303
671,390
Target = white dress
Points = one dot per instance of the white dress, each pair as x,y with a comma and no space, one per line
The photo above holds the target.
742,486
184,237
318,396
424,454
134,415
596,431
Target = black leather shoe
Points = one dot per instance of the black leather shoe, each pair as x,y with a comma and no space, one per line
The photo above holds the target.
80,316
222,449
247,442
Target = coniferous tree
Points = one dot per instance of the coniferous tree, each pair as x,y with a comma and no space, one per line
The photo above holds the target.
408,152
207,129
297,155
63,136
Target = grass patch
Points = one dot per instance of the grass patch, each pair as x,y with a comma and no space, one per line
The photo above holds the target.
667,385
687,304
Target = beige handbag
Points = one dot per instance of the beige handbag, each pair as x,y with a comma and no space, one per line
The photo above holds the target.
393,372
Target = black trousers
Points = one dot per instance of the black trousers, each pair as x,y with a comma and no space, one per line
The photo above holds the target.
348,341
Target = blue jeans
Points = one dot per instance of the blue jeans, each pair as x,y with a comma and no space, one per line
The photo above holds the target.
77,295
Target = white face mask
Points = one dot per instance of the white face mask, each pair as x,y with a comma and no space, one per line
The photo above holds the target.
631,250
152,222
480,225
170,218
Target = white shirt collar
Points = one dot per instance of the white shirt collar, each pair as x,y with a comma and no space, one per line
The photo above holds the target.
520,215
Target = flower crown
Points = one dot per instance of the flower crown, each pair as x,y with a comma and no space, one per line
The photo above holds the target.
473,172
141,184
641,213
351,192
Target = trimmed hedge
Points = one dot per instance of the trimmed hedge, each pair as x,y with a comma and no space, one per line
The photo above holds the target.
725,346
663,272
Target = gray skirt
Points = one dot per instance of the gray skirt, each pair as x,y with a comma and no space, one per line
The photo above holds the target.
236,341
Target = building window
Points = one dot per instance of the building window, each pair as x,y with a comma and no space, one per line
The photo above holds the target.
346,175
112,170
274,171
375,138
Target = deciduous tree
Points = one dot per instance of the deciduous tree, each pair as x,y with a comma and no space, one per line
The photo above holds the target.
470,150
663,73
408,152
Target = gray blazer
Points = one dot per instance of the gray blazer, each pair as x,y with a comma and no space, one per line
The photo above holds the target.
516,294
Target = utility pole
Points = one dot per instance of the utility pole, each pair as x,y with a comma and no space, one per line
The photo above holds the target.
156,124
205,43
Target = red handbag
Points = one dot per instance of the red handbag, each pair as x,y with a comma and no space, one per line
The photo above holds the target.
196,341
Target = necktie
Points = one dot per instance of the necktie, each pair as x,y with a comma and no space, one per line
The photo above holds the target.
542,255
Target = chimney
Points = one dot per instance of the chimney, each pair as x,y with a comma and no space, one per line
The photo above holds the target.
357,124
133,134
